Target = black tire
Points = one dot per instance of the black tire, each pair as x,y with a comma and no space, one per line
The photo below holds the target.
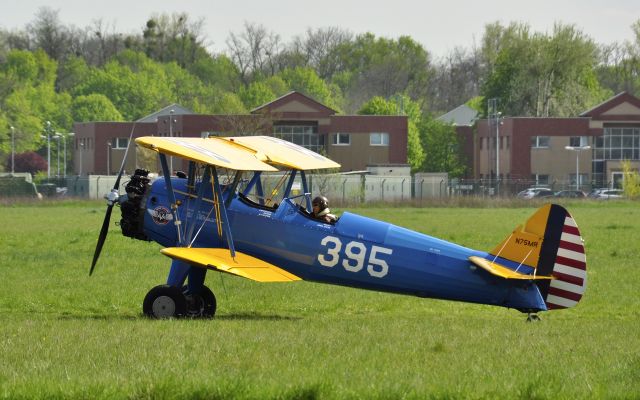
165,301
202,305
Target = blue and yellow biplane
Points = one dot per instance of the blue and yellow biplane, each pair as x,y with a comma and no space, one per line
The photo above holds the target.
215,216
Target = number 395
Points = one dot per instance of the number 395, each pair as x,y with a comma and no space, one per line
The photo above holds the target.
355,255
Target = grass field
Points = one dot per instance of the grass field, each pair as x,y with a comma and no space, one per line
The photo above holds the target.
66,335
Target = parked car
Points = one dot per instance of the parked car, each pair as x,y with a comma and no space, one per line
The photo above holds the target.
544,193
610,194
532,192
594,192
574,194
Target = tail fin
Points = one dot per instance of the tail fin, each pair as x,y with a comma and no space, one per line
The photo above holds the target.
550,242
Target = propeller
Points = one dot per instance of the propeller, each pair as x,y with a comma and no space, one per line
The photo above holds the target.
112,198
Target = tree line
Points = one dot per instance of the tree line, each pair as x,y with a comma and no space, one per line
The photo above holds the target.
60,73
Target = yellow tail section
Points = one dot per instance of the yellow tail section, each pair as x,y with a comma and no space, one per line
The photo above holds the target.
550,242
525,242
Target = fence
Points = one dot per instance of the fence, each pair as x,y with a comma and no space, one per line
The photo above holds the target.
340,188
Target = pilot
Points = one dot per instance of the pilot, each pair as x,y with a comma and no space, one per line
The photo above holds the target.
321,211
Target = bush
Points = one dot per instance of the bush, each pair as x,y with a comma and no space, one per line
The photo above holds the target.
30,161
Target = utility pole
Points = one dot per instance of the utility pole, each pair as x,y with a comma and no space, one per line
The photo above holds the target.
577,149
13,150
47,130
494,118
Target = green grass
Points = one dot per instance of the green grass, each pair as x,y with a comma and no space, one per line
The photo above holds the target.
66,335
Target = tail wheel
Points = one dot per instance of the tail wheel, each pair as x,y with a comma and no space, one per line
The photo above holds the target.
201,305
165,301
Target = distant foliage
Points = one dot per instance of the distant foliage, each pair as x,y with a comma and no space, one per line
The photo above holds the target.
60,73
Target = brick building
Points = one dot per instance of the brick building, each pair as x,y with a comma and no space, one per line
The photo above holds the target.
354,141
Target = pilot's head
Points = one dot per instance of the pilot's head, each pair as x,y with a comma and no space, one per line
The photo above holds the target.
320,203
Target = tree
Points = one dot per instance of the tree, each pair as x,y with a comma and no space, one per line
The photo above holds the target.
256,94
217,71
631,181
254,51
49,34
373,66
133,83
540,75
619,66
305,80
174,37
456,79
401,105
94,107
318,49
442,148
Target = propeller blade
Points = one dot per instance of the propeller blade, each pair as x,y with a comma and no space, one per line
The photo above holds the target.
101,238
112,198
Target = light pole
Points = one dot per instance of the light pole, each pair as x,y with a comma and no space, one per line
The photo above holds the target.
13,149
577,149
48,132
108,158
57,136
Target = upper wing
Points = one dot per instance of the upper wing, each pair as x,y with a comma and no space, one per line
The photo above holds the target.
213,152
281,152
242,265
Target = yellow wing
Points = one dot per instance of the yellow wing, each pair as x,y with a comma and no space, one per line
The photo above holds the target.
281,152
213,152
242,265
502,271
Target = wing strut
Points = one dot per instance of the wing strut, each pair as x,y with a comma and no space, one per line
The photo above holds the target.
222,210
205,182
305,189
172,195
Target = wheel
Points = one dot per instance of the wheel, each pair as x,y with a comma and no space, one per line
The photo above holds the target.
532,318
165,301
201,305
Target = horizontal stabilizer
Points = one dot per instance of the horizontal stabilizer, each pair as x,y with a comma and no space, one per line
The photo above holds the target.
242,265
502,271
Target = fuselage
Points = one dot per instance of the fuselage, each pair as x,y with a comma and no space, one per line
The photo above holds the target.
356,251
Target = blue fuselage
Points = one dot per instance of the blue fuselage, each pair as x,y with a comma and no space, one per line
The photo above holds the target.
356,251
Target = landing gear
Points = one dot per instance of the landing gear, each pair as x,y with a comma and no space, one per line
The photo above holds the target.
532,317
164,301
202,305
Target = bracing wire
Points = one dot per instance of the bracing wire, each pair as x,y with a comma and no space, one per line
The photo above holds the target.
275,190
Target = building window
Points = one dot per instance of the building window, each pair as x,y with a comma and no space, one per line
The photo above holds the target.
341,139
379,139
481,142
540,179
119,143
579,141
302,135
540,142
618,144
